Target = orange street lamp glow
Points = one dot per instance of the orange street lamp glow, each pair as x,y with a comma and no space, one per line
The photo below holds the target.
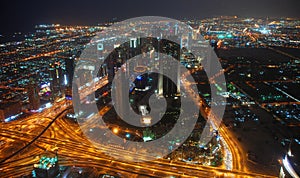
116,130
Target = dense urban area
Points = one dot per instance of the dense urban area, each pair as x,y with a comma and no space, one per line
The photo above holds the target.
41,134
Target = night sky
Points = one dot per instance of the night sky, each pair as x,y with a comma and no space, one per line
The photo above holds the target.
23,15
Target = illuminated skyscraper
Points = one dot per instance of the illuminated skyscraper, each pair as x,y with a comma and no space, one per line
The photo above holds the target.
122,90
69,70
166,86
46,168
56,79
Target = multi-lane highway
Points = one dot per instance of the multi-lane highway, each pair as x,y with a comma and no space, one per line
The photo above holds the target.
234,155
75,150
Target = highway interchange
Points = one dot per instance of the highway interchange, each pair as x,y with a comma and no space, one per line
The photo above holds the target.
65,137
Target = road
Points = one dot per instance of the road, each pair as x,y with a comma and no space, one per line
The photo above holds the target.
92,86
235,157
75,150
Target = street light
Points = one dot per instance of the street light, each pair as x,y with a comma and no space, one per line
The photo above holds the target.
116,130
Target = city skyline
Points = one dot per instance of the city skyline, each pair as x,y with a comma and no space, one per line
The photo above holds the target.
24,15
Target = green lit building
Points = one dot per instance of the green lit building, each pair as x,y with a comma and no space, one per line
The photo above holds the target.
46,168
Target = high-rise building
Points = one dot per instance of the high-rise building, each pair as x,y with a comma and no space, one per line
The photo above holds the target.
103,70
86,76
166,86
290,167
69,70
111,66
56,79
46,168
122,105
9,109
33,94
